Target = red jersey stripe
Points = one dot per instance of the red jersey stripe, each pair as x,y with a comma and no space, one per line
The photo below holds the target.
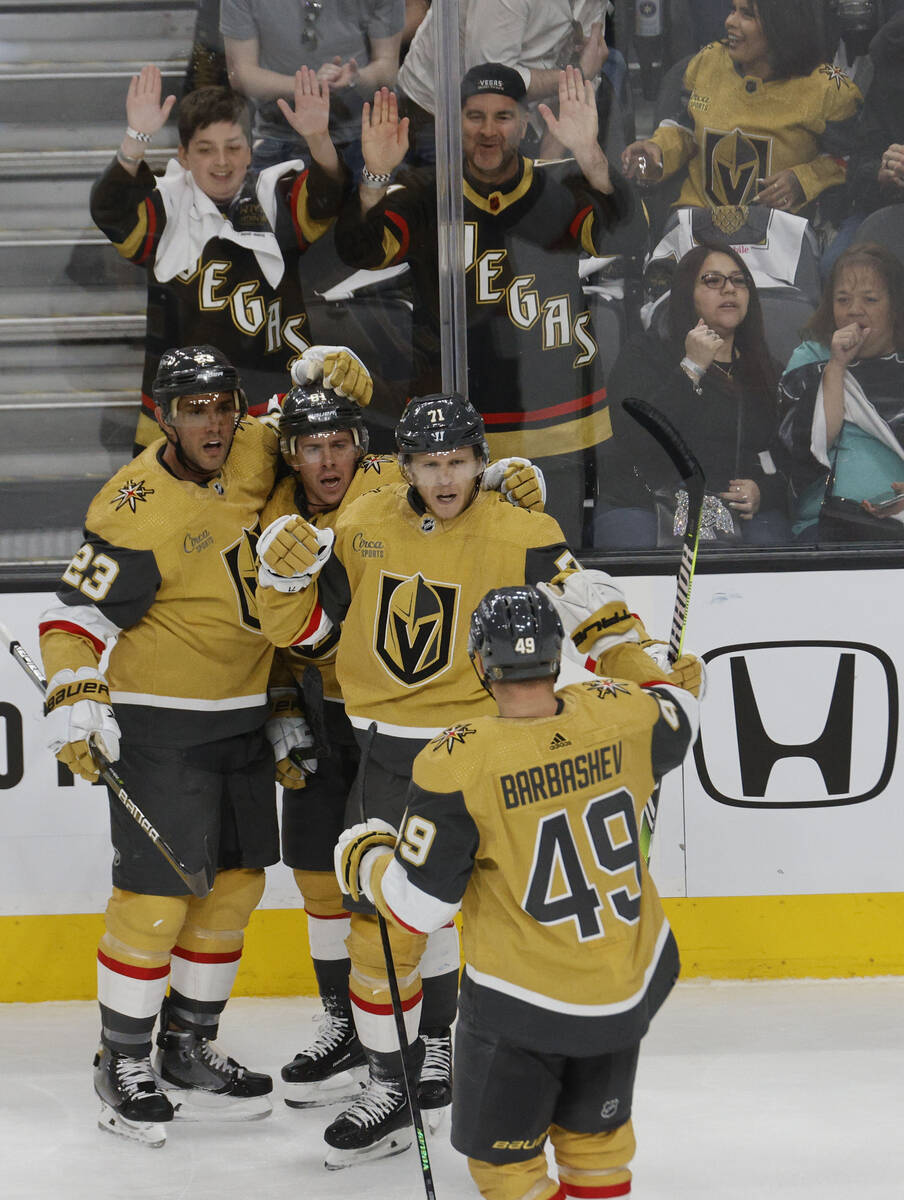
71,627
543,414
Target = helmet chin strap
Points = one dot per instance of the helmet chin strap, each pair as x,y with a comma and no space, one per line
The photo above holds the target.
185,461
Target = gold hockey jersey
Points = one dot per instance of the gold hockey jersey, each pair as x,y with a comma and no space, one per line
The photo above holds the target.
167,575
404,583
733,130
288,497
531,827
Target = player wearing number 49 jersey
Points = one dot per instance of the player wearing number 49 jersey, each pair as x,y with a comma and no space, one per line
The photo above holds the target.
527,821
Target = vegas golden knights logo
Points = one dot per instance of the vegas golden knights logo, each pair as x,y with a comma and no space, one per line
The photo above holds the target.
240,562
732,163
415,627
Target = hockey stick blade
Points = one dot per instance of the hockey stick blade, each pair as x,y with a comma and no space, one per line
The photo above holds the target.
196,881
658,425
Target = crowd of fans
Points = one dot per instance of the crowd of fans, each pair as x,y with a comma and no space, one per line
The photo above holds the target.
330,114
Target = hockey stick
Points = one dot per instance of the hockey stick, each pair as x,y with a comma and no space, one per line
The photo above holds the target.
414,1107
195,881
687,466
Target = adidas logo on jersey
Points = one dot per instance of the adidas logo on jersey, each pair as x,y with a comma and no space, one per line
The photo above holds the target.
559,742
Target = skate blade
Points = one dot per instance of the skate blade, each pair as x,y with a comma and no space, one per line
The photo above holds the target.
194,1104
396,1142
147,1133
338,1089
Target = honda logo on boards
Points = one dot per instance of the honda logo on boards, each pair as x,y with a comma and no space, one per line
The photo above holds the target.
797,724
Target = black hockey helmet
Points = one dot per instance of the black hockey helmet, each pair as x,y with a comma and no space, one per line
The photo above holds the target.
310,408
195,371
438,423
517,633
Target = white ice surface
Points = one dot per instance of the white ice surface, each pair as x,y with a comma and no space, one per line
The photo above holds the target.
746,1091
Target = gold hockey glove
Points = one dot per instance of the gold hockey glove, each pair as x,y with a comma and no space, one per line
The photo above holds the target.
339,368
353,859
519,481
78,712
291,553
290,736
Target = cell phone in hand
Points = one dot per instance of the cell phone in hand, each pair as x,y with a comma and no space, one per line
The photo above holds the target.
886,499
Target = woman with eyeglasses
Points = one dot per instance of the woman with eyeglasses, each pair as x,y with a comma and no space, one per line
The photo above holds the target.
842,403
713,377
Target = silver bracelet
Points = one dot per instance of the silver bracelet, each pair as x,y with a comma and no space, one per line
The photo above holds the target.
371,179
692,367
136,136
133,159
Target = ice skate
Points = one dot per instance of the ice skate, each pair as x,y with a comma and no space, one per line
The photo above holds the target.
332,1069
205,1085
132,1104
434,1085
376,1125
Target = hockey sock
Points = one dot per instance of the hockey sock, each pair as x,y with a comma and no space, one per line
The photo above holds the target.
328,927
526,1180
133,967
439,978
206,958
369,987
594,1164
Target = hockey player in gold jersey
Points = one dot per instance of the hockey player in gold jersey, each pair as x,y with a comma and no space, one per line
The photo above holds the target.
410,563
324,441
164,582
527,821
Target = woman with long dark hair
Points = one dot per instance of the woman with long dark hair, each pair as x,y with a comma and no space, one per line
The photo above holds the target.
715,380
762,118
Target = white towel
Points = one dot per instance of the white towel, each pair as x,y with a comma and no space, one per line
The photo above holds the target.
192,219
860,411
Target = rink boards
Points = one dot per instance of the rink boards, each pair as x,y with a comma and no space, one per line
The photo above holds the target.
777,846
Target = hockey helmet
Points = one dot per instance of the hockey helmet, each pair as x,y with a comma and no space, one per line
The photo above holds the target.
195,371
438,423
311,408
517,633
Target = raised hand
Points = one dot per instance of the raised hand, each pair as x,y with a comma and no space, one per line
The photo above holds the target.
846,342
310,115
577,124
702,344
384,138
144,110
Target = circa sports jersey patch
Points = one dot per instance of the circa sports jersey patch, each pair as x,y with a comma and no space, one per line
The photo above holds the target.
129,495
415,627
453,736
605,688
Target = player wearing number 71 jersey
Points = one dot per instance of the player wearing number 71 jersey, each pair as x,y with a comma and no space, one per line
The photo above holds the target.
528,822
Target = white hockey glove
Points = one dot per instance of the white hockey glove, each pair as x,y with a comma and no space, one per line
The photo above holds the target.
519,481
78,712
339,368
292,553
290,736
593,611
356,854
